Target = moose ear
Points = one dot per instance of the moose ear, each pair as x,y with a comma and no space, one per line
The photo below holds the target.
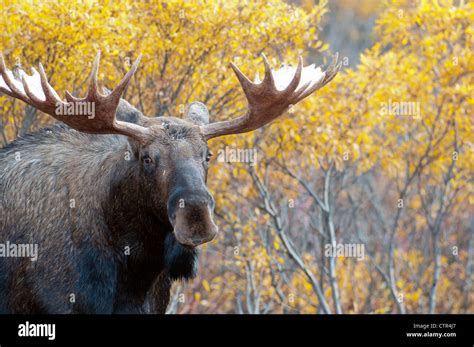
198,113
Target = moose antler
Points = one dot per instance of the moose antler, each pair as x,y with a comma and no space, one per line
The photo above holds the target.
269,99
36,91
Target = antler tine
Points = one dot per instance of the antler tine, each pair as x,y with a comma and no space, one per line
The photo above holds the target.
297,96
331,68
268,79
118,91
5,89
296,79
49,92
14,91
335,67
308,91
93,90
244,81
36,101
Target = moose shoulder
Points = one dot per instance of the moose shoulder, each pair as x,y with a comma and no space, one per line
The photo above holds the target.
116,202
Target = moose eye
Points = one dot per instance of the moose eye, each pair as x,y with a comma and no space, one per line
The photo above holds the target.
147,159
208,156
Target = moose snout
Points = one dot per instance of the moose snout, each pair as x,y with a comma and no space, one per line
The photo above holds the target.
191,215
196,241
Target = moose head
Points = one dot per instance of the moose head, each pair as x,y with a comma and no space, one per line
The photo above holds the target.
171,153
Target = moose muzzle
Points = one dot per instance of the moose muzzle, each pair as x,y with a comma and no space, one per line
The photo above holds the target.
190,209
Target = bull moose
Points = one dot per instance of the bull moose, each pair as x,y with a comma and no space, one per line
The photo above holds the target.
116,201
